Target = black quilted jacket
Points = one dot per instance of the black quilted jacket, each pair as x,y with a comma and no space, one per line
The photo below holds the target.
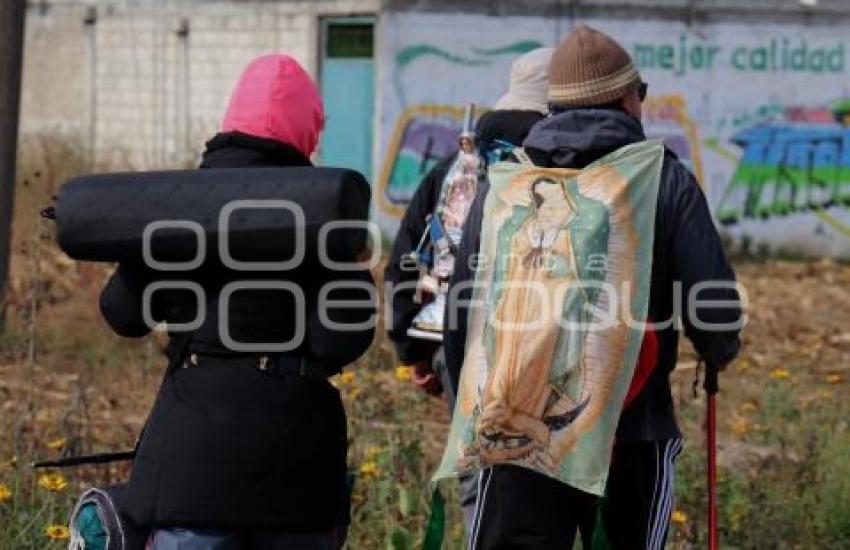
227,445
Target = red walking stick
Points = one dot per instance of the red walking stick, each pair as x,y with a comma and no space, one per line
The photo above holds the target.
711,388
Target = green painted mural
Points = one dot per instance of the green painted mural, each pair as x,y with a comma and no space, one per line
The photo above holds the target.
758,110
796,164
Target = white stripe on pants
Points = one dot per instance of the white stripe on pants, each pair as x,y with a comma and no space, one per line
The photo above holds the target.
483,483
662,501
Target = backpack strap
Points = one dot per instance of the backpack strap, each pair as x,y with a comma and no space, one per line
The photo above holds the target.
522,156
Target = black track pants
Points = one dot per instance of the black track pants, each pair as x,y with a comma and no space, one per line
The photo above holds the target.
639,495
518,508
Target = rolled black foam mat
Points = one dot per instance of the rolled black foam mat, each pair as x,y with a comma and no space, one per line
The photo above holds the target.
103,217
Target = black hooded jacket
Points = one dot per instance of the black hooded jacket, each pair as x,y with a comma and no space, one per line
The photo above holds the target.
687,251
227,445
509,126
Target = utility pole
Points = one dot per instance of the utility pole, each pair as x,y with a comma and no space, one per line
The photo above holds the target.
11,58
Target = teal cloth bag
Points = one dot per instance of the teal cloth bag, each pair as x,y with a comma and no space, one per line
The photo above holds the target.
97,524
90,528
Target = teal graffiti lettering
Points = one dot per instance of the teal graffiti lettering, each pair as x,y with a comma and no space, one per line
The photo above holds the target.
835,59
665,56
736,58
678,58
644,55
787,56
758,59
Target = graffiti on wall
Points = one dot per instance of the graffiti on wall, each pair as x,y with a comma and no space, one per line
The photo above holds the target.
690,54
797,162
665,117
474,57
760,112
780,163
426,132
423,135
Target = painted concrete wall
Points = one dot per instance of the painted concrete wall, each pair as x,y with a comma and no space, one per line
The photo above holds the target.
139,91
759,111
753,114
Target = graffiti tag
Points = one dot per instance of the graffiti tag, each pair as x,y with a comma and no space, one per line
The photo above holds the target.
800,164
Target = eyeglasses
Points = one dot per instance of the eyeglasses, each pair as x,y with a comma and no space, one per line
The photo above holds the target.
642,88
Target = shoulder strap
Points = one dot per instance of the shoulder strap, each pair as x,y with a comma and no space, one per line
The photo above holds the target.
522,156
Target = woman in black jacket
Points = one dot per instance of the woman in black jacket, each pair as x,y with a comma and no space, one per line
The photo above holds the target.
247,450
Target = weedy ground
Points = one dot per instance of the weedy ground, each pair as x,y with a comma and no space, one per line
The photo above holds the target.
68,386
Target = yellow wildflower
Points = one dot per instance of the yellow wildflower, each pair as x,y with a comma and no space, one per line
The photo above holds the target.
735,518
371,451
53,482
346,378
402,373
354,393
57,532
748,407
369,469
740,426
833,378
5,492
679,517
780,373
57,443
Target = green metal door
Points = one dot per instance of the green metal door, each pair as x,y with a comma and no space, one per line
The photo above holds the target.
348,90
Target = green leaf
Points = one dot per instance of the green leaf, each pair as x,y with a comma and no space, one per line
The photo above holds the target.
401,539
436,527
403,501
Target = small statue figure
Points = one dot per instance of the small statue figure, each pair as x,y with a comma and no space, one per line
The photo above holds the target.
438,246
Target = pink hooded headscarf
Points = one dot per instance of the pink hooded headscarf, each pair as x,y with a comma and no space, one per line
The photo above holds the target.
275,98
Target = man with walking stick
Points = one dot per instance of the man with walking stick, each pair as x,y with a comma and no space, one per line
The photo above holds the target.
595,96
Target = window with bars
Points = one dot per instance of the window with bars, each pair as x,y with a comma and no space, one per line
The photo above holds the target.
349,40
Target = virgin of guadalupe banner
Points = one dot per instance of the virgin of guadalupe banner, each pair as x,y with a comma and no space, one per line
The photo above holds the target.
555,326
